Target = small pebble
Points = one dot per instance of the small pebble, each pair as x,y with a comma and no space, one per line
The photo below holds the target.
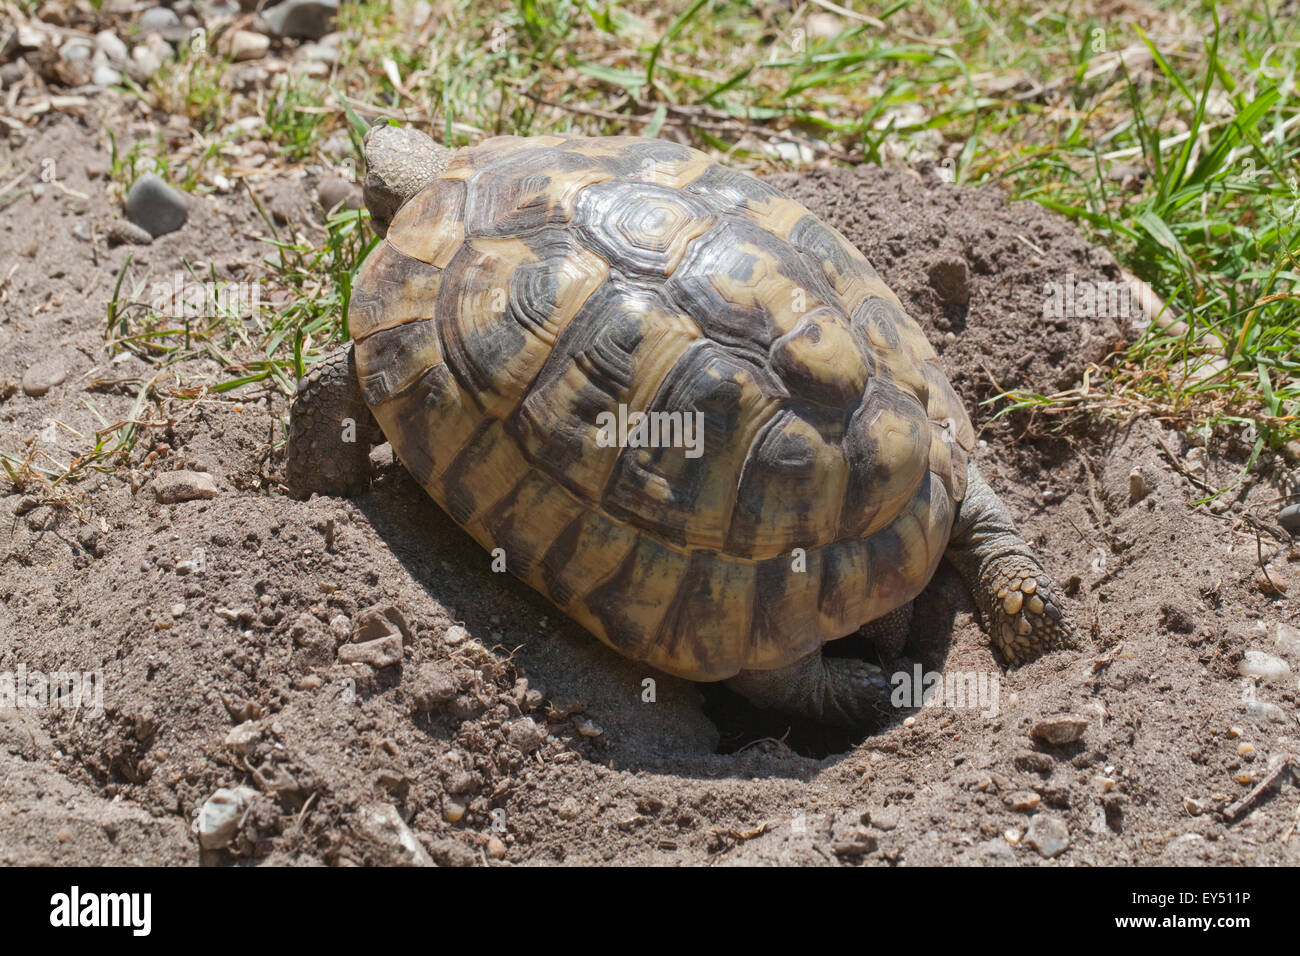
1137,486
174,486
144,63
112,46
1287,641
1059,731
76,50
106,75
525,734
154,206
1048,835
304,19
243,738
1263,666
382,826
246,45
43,376
1022,800
157,19
218,821
1289,518
384,652
123,232
338,192
496,849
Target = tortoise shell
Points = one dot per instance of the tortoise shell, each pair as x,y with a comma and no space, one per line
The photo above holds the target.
541,283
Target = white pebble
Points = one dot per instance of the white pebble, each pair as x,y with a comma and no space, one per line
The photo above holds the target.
1263,666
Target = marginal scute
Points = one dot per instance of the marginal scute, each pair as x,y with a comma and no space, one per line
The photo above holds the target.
547,318
392,289
525,522
631,604
785,625
428,424
389,360
431,227
713,602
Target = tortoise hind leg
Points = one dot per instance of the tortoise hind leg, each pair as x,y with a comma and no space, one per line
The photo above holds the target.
844,691
330,431
889,634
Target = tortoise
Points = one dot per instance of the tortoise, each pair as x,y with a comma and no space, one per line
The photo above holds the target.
790,464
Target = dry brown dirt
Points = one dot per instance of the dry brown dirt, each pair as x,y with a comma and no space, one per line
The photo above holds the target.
245,633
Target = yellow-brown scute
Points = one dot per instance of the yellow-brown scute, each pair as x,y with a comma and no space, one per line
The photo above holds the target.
690,412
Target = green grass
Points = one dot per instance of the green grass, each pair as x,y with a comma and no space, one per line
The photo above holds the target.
1196,108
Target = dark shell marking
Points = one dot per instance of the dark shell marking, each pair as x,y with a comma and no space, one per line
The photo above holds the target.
541,282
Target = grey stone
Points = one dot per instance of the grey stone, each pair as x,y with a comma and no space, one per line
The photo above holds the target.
305,19
43,376
338,192
381,621
1263,666
1048,835
106,76
154,206
76,50
219,820
247,45
158,20
431,688
1289,517
113,47
383,828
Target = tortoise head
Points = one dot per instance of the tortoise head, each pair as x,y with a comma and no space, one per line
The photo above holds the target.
400,162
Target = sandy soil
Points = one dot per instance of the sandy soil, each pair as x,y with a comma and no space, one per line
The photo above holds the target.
217,623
